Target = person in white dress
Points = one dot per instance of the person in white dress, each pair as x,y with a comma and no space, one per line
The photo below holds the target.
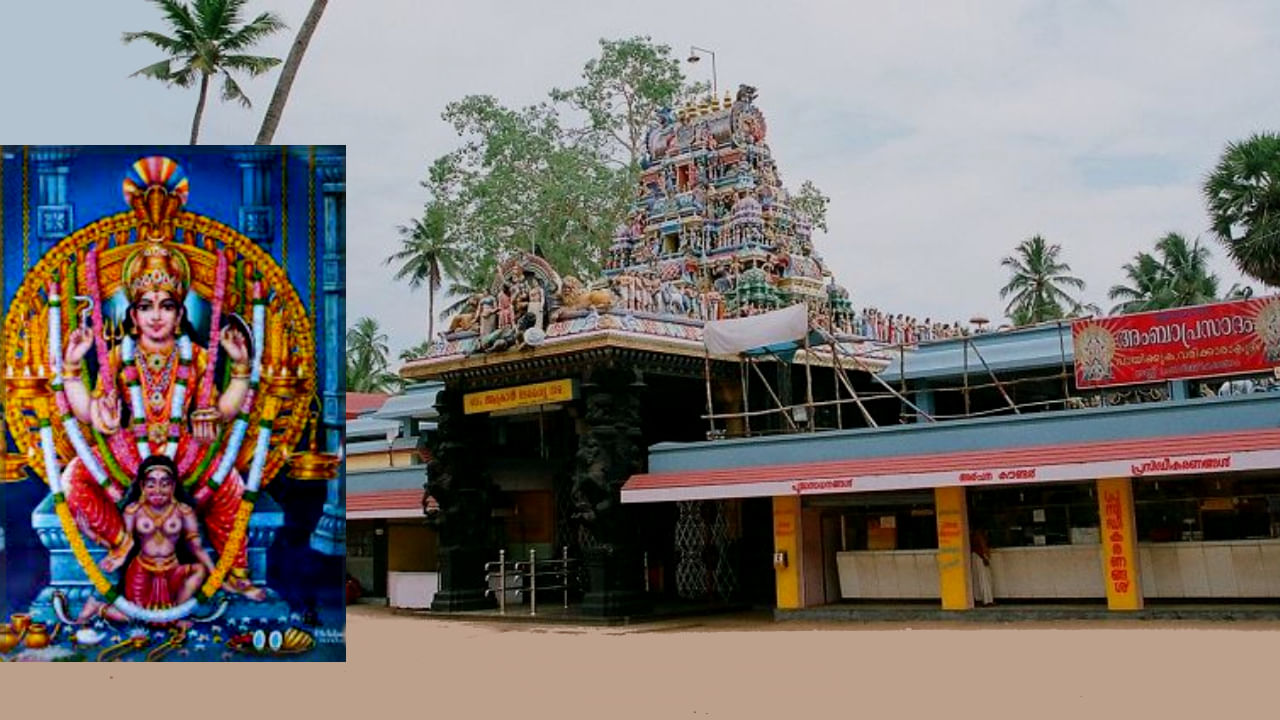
980,560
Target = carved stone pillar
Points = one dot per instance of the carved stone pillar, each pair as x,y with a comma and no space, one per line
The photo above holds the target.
609,452
256,221
54,215
458,503
330,535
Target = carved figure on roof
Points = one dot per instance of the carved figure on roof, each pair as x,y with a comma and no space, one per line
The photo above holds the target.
536,309
574,296
746,94
671,299
506,312
465,320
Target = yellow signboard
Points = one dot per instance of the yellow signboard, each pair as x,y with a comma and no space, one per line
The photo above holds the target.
1119,544
520,396
953,548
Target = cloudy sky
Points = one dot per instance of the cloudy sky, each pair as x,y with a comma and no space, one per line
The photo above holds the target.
944,132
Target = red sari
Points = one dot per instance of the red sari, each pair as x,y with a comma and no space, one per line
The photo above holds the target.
99,517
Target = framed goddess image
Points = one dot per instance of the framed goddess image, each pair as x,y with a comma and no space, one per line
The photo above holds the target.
169,490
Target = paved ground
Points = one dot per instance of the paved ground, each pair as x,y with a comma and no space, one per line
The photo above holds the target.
739,666
747,665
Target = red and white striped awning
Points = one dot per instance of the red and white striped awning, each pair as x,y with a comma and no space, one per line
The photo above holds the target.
384,504
1160,456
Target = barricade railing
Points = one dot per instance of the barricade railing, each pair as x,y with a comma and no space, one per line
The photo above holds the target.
531,577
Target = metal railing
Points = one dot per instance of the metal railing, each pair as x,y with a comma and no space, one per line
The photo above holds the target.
532,576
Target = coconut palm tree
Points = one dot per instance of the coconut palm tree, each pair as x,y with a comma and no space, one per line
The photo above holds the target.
1243,194
207,40
426,255
415,352
1180,276
1147,289
1037,282
284,84
1189,280
367,358
364,379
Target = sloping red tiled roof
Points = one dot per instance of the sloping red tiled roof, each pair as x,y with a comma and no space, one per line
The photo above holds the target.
1062,454
361,403
385,500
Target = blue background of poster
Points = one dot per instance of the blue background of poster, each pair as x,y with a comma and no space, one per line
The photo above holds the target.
67,188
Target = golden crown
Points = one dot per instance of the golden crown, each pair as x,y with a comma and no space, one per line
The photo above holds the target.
156,268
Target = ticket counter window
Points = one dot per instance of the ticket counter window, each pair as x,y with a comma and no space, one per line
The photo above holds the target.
1019,516
910,528
1207,509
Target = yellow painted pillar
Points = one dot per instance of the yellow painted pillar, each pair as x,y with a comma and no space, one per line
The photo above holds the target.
954,577
1119,544
786,544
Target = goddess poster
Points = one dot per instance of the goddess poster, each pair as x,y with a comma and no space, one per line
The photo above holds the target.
170,486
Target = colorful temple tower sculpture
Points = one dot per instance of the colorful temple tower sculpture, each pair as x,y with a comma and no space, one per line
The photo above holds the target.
712,223
710,235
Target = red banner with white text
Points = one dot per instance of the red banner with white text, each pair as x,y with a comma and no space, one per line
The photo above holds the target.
1227,338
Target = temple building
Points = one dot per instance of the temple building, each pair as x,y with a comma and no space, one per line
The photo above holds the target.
711,423
390,551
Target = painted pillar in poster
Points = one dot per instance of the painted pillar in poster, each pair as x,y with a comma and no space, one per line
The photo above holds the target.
1119,544
954,579
786,549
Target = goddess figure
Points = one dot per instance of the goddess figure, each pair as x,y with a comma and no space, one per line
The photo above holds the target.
155,579
156,281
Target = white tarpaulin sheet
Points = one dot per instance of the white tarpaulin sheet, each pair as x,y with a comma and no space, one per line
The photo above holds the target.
728,337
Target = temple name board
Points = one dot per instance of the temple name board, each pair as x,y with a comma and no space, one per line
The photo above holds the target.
1227,338
520,396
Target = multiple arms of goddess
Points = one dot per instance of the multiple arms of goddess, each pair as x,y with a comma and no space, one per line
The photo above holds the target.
103,412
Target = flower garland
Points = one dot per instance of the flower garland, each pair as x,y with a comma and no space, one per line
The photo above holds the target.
96,577
215,329
95,292
69,423
179,395
240,427
133,379
239,531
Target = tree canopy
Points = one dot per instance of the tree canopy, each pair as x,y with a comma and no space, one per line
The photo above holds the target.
556,177
1243,195
1038,282
207,39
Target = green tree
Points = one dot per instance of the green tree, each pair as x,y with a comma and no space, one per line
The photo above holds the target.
1243,194
533,179
1147,289
426,256
415,352
207,40
284,85
1187,265
367,358
621,91
519,182
811,205
1037,282
1177,275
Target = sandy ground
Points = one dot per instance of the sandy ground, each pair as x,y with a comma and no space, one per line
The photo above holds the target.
744,666
749,666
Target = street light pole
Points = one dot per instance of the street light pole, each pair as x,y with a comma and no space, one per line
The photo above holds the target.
693,58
